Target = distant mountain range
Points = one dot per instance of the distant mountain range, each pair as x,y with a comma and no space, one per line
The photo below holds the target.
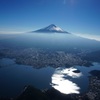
51,29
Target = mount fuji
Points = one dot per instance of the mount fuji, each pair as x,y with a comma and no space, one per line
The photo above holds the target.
51,29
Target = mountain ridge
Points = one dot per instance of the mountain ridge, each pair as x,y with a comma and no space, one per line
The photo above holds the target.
51,29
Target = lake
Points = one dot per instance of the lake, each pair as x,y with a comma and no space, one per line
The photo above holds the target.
14,77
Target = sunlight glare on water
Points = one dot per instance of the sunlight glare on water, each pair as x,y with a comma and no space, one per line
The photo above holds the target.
64,85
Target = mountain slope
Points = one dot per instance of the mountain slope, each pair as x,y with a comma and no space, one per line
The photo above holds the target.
51,29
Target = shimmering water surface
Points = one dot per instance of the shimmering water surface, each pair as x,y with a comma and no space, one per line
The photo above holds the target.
14,77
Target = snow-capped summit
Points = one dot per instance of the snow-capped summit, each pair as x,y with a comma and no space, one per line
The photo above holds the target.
51,28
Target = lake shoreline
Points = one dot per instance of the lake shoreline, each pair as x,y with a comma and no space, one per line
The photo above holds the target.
29,92
82,95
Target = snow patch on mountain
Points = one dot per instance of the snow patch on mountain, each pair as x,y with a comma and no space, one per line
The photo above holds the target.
51,28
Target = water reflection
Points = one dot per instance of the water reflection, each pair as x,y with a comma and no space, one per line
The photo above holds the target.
6,62
62,82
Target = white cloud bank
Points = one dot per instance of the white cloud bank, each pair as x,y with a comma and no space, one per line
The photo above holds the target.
89,36
10,32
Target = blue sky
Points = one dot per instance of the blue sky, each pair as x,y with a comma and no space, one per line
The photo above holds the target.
77,16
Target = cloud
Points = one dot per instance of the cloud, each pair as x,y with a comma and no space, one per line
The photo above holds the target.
89,36
10,32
